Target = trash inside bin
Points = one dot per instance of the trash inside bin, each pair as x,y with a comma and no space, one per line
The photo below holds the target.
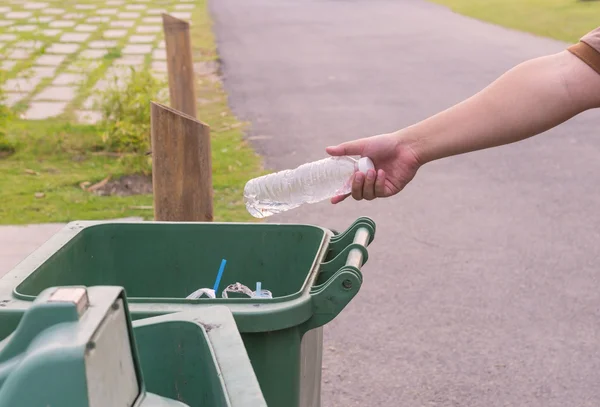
311,273
76,348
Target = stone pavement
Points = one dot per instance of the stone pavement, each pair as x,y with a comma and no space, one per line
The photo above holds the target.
56,54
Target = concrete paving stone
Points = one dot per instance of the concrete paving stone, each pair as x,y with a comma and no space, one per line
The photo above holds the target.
85,6
93,53
44,19
61,24
159,66
51,33
52,60
114,33
88,116
152,20
8,37
63,48
128,14
54,11
34,6
44,110
61,93
107,11
137,49
162,45
182,15
86,28
43,71
184,7
114,2
73,16
136,39
5,9
68,79
7,65
6,23
135,7
122,23
102,44
98,19
13,98
130,60
19,54
21,84
156,11
24,28
159,54
29,44
75,37
149,28
18,15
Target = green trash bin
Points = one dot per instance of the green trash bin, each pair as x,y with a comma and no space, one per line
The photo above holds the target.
76,347
312,273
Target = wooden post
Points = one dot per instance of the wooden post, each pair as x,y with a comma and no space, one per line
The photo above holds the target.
181,166
180,65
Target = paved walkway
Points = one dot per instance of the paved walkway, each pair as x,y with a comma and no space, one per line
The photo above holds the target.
483,287
58,53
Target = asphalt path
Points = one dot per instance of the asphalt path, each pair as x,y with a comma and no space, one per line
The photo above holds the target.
482,287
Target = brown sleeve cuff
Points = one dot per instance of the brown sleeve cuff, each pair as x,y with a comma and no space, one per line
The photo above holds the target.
587,54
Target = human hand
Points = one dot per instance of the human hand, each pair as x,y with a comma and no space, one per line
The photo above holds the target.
395,166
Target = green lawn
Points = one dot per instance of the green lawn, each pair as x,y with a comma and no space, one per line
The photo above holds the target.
41,181
565,20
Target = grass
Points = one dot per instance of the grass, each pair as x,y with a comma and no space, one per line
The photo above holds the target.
41,181
566,20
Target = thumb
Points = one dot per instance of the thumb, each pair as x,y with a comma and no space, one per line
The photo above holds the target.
349,148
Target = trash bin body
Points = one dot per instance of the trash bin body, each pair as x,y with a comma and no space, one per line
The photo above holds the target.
311,272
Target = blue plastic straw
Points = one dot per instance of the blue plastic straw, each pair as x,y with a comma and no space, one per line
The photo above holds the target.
219,275
258,289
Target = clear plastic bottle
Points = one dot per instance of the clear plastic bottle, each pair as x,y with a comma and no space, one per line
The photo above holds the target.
310,183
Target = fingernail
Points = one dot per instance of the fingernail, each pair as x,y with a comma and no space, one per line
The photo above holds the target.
359,177
370,174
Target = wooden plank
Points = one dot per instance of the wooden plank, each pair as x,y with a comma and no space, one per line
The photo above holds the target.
180,65
181,166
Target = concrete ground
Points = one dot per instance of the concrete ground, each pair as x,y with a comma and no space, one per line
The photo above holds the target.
482,288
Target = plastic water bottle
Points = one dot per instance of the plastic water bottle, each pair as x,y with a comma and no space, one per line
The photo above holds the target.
310,183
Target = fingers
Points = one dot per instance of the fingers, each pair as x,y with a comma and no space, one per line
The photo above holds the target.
339,198
357,186
365,186
380,184
349,148
369,185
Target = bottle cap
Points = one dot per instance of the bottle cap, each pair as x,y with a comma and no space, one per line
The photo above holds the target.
365,164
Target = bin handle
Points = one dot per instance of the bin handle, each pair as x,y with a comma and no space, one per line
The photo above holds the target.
353,254
340,278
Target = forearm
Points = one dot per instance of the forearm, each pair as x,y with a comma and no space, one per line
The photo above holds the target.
529,99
